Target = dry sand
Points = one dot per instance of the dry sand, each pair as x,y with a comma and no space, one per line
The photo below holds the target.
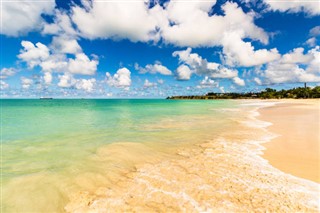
296,150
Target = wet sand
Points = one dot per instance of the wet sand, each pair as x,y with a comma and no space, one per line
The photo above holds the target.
225,174
296,150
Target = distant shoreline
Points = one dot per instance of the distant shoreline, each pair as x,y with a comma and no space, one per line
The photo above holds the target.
268,93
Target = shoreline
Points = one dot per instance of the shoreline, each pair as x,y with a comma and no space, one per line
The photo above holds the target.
296,149
227,173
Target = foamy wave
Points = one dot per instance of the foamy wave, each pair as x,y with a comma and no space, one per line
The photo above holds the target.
220,175
226,174
253,122
260,103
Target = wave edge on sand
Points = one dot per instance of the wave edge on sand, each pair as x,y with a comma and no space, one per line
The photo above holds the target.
224,174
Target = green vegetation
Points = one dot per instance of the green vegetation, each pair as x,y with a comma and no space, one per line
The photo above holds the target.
268,93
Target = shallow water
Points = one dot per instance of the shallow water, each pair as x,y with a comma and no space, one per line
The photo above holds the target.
141,155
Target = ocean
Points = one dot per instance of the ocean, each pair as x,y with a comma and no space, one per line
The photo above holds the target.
140,155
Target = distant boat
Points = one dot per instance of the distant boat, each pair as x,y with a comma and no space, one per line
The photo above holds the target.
45,98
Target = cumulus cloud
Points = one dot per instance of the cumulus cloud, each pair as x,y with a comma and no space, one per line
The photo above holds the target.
67,80
40,55
207,83
194,63
117,20
21,16
3,85
170,24
240,53
295,66
198,28
47,77
55,63
288,73
62,25
26,82
238,81
154,69
6,72
296,56
85,84
121,79
314,63
32,54
309,7
122,20
64,44
147,83
82,65
183,73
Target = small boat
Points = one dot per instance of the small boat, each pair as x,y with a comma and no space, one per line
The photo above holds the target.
45,98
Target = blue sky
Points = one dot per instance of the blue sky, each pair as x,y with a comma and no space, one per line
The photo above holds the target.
132,49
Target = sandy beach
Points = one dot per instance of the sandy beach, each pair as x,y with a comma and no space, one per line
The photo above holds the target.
227,173
296,150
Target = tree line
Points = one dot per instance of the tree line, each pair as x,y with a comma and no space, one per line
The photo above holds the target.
268,93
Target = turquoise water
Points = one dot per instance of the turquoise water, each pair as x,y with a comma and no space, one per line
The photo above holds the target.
52,148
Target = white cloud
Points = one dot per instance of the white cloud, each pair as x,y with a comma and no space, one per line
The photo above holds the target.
183,73
153,69
32,54
257,80
66,80
82,65
314,63
315,31
3,85
238,81
196,64
20,17
294,67
207,83
240,53
62,25
85,84
193,26
121,79
6,72
26,82
117,20
311,42
63,44
191,59
147,83
47,77
122,20
39,55
296,56
55,63
292,73
223,72
294,6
